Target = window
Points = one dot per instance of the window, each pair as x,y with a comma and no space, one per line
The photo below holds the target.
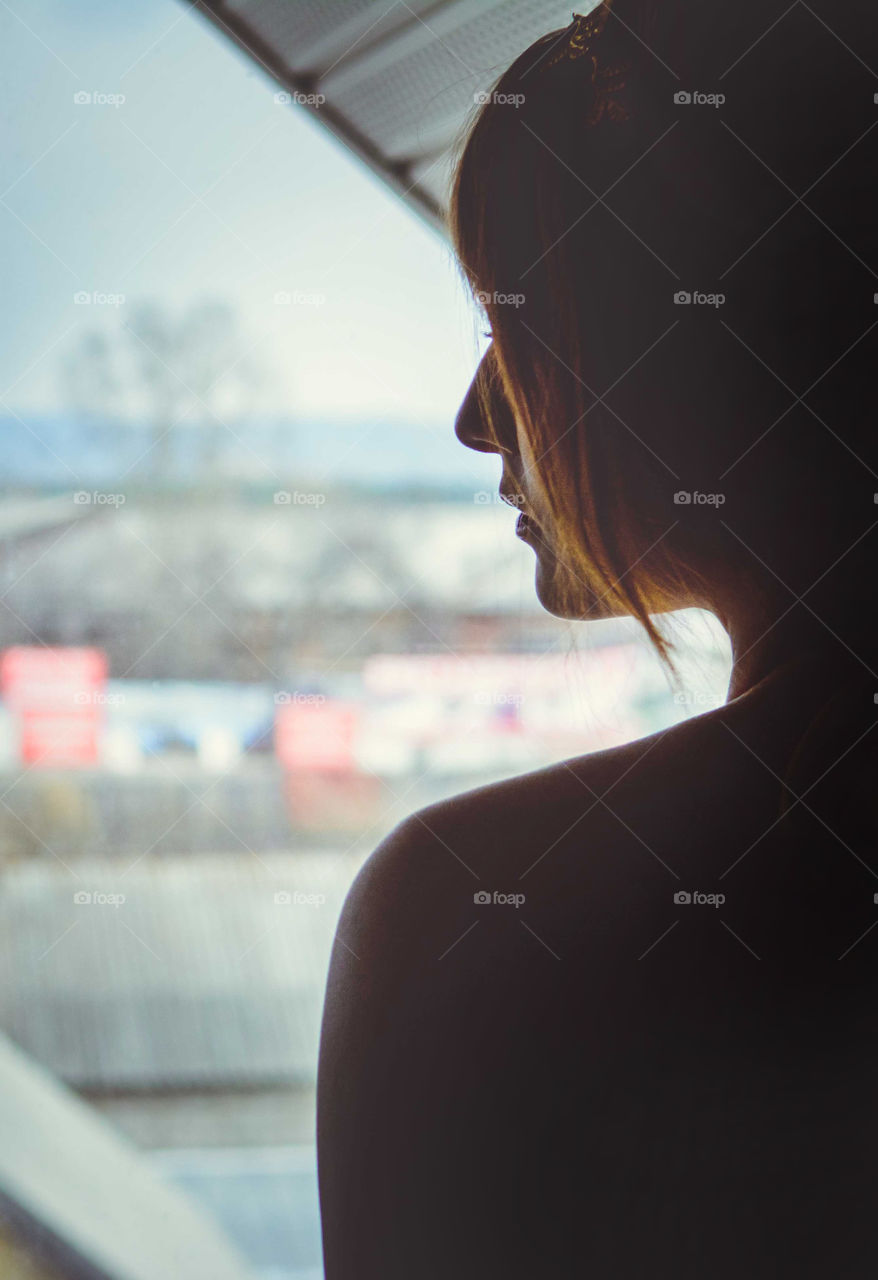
257,602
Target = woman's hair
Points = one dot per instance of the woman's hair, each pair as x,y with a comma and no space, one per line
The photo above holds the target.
658,298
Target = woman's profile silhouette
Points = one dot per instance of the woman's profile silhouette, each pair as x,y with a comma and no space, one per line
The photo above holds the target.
615,1018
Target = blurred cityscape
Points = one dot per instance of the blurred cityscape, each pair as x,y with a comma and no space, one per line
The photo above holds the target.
218,695
330,655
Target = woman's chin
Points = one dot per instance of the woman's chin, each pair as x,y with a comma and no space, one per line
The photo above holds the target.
553,595
566,598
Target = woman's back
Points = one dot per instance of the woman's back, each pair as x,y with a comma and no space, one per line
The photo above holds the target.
651,1052
615,1018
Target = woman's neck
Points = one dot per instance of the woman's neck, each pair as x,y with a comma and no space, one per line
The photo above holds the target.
765,642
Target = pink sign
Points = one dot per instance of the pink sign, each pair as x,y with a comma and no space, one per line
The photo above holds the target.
316,735
56,694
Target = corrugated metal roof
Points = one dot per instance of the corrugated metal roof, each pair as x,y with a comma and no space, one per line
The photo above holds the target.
398,79
199,978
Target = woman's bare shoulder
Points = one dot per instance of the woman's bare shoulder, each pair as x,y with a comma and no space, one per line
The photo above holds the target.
566,820
592,826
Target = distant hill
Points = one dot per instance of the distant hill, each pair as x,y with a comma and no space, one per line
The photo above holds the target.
52,452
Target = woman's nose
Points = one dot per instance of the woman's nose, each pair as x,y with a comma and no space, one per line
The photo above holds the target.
470,426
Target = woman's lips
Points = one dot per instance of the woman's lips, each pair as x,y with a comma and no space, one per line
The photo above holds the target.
524,525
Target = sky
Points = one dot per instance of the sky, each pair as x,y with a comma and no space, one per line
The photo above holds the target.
199,185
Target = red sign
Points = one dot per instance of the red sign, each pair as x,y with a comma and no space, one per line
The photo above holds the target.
57,697
316,734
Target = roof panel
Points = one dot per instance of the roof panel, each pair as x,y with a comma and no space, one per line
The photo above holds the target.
399,79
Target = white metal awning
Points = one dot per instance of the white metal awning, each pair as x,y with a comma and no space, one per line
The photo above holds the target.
397,78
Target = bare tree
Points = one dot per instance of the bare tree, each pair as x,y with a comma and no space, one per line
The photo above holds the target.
191,377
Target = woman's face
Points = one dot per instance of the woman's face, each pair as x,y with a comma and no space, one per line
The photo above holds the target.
560,587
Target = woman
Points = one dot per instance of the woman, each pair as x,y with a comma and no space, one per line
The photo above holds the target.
660,1060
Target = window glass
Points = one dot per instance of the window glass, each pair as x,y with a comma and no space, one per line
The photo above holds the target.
258,604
